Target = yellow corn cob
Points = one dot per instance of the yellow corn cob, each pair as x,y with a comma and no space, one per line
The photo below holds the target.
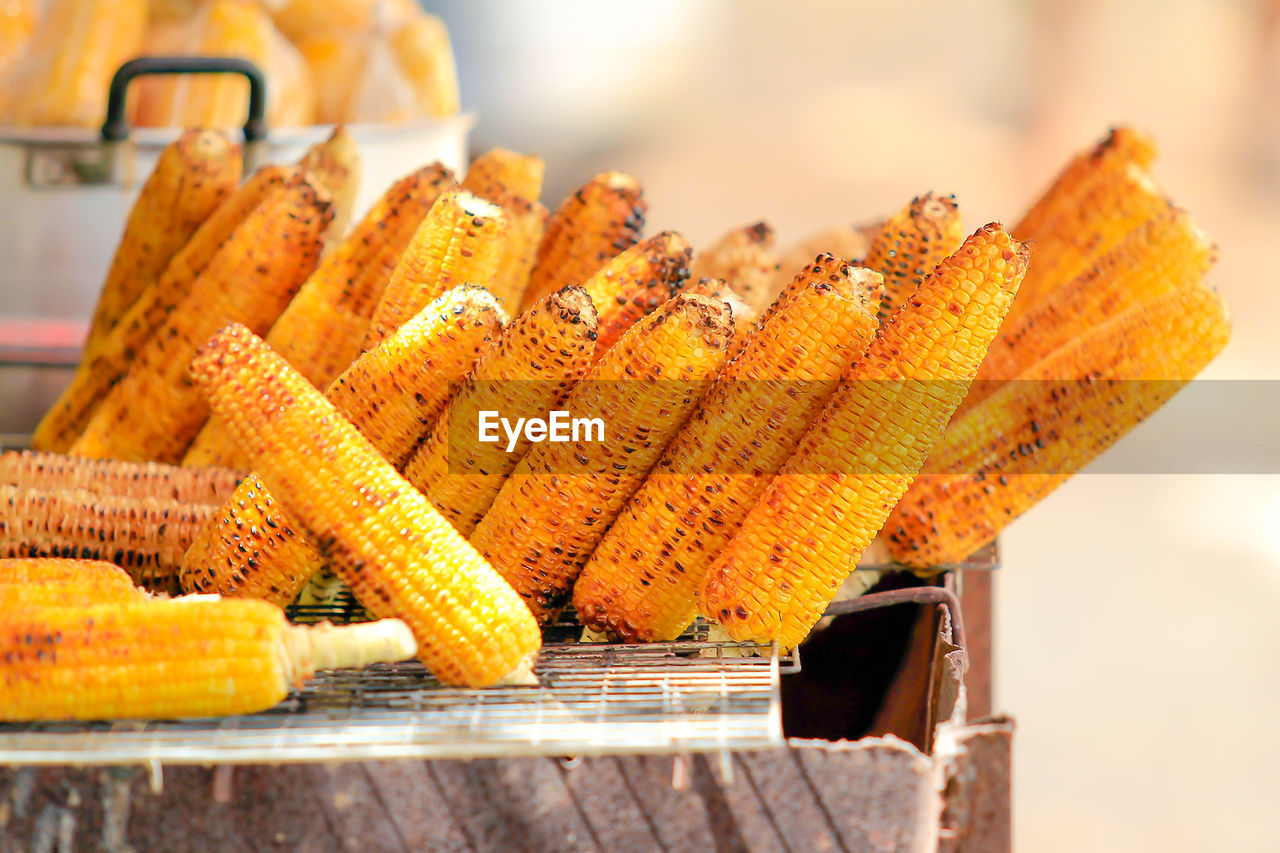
562,497
600,219
38,570
528,224
335,165
55,582
845,242
521,174
299,18
538,359
744,259
393,394
29,469
63,75
1117,202
1030,436
1167,253
386,542
742,316
191,178
1122,147
321,330
103,365
635,283
642,579
155,411
911,243
804,536
461,241
145,536
426,57
185,657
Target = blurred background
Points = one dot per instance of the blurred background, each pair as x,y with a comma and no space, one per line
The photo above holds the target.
1136,615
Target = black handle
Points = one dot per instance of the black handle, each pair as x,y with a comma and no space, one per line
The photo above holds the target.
116,127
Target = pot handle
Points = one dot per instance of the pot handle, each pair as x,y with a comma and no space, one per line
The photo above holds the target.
116,127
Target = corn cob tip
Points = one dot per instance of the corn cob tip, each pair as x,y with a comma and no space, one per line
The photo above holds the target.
472,205
936,209
206,143
1017,253
573,304
223,353
710,315
620,181
867,287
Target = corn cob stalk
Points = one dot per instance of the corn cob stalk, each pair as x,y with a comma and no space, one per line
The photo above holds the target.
805,534
145,536
1030,436
103,365
520,174
191,178
386,542
635,283
744,259
562,497
528,225
33,470
1117,202
120,660
55,582
155,412
461,241
912,242
335,165
1167,253
599,220
849,243
538,359
321,330
642,579
393,394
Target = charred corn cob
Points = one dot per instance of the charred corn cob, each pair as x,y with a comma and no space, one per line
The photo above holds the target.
335,164
1122,147
912,242
538,359
461,241
521,174
556,506
742,316
321,330
191,178
635,283
386,542
393,394
155,411
103,365
1116,202
33,470
1167,253
144,536
800,541
1032,434
849,243
744,259
528,221
641,581
599,220
55,582
185,657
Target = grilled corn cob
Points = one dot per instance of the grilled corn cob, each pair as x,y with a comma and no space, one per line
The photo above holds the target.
191,178
1116,202
393,394
1166,253
145,536
805,534
386,542
33,470
539,357
426,57
1032,434
744,259
103,365
556,506
641,581
321,330
600,219
636,282
155,411
335,165
50,581
461,241
521,174
911,243
528,221
185,657
38,570
742,316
